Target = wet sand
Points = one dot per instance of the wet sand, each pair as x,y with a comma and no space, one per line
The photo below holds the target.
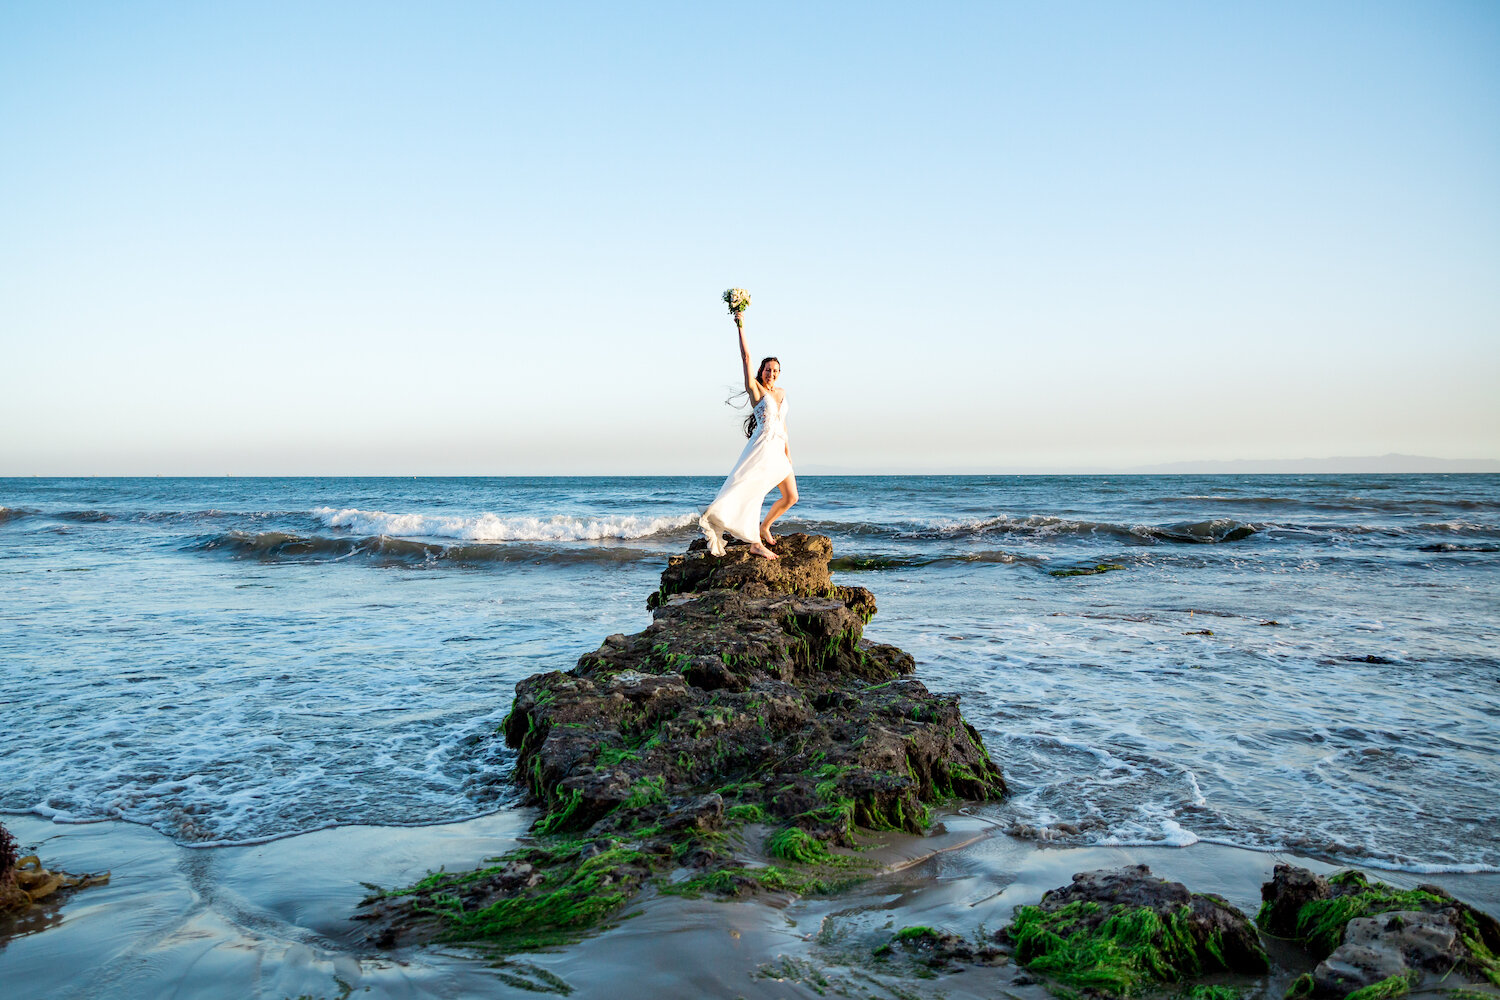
273,920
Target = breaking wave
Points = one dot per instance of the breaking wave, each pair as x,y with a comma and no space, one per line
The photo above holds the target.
278,546
877,562
1457,527
1041,526
494,528
84,516
1351,504
1452,547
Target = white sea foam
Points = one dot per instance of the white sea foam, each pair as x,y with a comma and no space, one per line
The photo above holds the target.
1197,799
1396,863
1323,719
219,784
1164,832
1458,527
1104,757
494,528
1422,868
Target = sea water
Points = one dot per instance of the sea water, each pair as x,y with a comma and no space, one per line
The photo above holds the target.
1302,663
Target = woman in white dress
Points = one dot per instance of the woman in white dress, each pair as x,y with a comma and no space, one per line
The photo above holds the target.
765,462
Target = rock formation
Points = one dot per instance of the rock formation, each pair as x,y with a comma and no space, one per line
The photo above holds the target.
1377,941
744,736
1123,932
1123,929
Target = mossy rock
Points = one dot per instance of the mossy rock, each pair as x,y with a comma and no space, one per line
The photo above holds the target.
1121,931
1377,941
1093,570
742,723
938,949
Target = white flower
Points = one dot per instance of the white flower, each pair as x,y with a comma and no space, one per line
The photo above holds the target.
737,298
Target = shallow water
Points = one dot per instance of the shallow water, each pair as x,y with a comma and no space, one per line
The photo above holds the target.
273,920
1282,662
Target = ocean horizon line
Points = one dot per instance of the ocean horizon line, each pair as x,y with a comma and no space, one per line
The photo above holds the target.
1382,465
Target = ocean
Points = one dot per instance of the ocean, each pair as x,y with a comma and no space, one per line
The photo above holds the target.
1280,663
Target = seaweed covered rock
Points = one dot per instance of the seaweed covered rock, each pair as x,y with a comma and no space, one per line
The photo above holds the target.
1120,930
1375,940
1286,896
531,898
751,706
23,881
940,950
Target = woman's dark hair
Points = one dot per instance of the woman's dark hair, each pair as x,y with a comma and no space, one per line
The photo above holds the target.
750,420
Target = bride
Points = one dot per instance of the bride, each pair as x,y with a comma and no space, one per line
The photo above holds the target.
765,462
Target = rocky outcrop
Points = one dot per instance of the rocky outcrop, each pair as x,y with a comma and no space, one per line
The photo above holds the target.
1120,930
800,569
1285,897
751,704
1375,940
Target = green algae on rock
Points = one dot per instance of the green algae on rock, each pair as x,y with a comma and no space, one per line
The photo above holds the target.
1314,911
1213,991
750,722
1093,570
1120,931
1376,941
939,950
571,886
801,567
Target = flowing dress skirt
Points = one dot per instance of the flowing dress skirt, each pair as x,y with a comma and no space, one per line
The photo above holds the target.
762,465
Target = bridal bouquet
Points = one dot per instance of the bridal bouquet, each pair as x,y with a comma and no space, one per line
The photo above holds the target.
738,300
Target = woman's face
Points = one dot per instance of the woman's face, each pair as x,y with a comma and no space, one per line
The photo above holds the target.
769,373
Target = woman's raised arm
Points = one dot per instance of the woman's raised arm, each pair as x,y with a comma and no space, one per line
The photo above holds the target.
752,385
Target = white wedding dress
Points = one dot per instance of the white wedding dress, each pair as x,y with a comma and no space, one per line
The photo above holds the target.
762,465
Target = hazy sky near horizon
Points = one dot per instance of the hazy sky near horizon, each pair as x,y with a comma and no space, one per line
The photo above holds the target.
483,238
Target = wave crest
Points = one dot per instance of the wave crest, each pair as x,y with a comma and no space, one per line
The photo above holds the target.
494,528
84,516
1043,526
278,546
876,562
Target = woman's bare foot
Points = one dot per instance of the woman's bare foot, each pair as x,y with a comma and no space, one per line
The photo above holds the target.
767,537
760,550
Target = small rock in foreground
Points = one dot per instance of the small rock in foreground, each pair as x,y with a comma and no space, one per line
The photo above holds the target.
1120,930
940,950
1378,941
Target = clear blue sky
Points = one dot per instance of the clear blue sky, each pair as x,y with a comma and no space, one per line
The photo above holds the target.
478,238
